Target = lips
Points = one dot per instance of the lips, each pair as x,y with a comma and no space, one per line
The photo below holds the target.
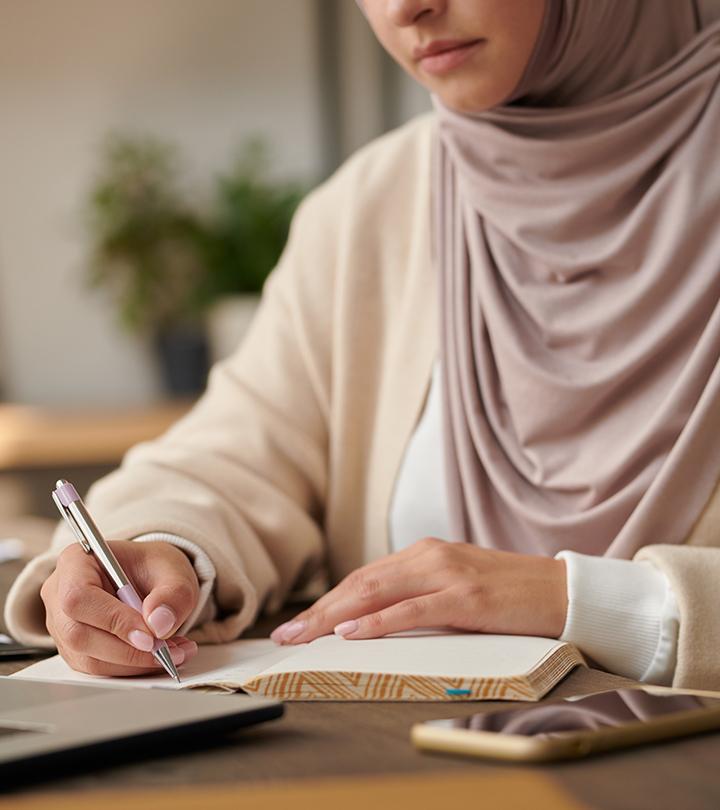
441,46
443,56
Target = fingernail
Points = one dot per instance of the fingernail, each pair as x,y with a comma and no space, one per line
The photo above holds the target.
162,620
140,640
345,628
177,655
292,630
187,646
277,633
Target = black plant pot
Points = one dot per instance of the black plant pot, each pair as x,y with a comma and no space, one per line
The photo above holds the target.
184,360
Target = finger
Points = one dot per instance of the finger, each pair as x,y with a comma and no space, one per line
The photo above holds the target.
369,590
408,560
82,640
310,623
92,606
72,618
433,610
366,589
172,593
184,642
78,589
95,666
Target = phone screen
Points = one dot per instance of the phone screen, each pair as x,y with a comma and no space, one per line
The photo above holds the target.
579,714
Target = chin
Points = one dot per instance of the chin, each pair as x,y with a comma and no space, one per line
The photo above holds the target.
470,103
471,95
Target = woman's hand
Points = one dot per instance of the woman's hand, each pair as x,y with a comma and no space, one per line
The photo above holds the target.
434,583
97,633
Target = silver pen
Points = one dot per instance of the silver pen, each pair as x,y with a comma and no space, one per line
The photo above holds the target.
84,528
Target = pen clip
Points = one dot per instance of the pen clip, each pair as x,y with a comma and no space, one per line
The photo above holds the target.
70,518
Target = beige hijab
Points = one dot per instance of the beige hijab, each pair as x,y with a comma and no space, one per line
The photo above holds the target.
578,238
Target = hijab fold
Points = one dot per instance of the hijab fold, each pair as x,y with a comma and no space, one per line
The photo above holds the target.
577,235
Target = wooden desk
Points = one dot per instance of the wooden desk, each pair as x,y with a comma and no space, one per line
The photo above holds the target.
325,740
40,445
496,790
45,437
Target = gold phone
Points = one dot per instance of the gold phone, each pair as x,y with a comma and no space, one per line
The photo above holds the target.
573,727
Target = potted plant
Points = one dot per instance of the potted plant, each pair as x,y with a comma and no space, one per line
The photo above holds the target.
144,250
241,242
177,272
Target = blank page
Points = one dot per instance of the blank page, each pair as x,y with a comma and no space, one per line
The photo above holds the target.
232,663
432,653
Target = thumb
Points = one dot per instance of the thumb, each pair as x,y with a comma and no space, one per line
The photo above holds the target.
172,596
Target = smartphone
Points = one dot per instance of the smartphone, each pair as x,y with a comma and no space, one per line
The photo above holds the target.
573,727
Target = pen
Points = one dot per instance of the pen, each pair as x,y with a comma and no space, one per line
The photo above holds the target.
84,528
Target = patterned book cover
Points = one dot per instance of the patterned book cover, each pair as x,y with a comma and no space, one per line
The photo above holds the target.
340,685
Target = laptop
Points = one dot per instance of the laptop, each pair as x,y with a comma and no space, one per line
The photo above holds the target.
46,725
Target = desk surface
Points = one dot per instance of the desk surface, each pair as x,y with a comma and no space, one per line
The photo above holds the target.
318,740
45,437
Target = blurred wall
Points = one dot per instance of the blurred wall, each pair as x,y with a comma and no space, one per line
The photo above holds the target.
376,95
203,74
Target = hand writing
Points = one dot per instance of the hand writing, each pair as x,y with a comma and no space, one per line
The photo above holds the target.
98,634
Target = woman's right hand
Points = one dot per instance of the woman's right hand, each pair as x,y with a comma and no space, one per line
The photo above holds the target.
97,633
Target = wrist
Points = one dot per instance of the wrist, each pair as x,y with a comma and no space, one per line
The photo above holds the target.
559,598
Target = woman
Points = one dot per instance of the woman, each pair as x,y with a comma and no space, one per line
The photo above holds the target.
513,301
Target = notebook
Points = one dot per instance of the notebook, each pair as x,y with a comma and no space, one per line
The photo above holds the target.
422,665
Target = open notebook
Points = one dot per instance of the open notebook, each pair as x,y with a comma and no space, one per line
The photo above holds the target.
418,665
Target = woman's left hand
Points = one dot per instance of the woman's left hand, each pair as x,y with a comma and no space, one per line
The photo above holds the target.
434,583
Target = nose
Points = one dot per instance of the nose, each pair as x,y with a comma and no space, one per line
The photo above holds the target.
408,12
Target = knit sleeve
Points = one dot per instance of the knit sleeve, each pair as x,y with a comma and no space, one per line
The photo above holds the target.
622,614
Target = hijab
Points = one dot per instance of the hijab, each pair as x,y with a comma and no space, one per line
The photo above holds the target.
577,238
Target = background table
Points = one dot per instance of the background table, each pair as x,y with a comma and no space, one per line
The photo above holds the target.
39,445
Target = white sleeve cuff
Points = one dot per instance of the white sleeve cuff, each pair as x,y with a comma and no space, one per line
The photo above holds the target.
206,609
622,614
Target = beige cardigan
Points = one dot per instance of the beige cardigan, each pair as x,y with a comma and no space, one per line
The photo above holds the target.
286,466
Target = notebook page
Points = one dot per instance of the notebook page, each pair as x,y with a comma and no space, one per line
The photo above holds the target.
230,664
469,655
